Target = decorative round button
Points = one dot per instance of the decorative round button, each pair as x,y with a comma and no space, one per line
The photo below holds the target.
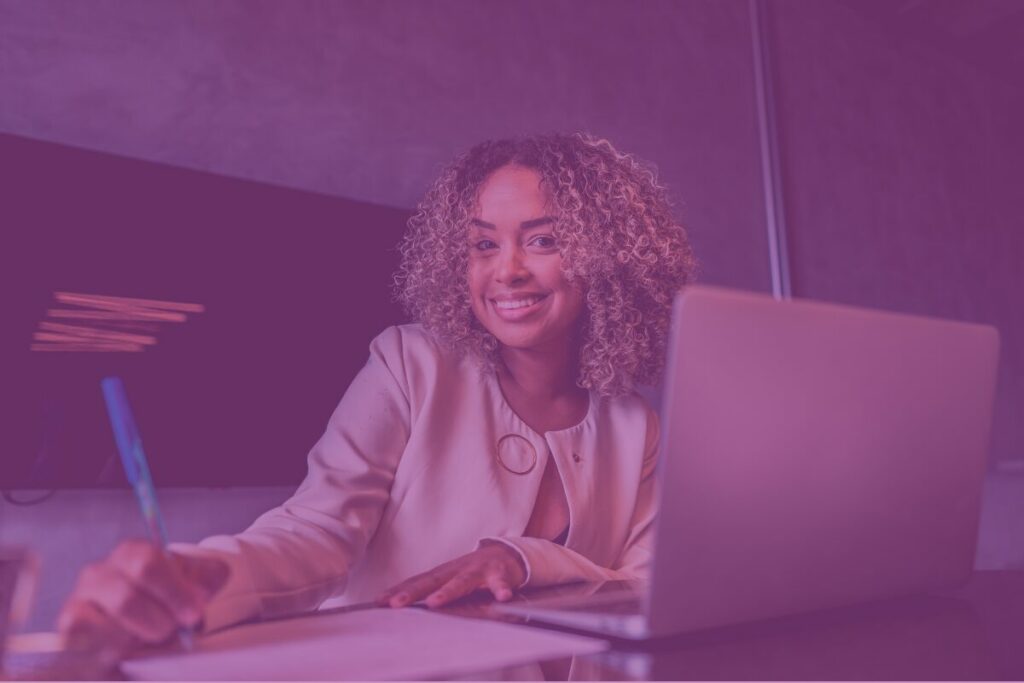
576,457
516,454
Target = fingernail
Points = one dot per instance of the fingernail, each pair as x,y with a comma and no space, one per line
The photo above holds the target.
400,600
504,594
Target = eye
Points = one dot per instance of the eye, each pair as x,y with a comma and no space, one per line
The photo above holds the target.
544,242
484,245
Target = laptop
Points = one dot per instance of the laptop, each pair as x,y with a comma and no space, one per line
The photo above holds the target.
813,456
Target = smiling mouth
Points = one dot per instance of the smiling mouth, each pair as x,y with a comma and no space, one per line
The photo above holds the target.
514,309
513,304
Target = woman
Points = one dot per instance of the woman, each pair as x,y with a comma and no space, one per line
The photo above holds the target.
496,444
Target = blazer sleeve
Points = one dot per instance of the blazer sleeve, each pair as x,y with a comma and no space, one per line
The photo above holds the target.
297,555
548,563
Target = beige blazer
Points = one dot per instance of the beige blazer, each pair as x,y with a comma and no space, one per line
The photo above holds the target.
410,474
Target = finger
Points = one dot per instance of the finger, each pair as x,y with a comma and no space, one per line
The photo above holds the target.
420,586
87,628
149,568
506,562
499,586
384,598
208,574
458,586
131,609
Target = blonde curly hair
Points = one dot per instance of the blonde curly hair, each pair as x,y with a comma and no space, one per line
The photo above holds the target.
616,235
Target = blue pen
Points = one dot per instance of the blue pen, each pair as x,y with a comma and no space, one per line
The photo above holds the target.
129,444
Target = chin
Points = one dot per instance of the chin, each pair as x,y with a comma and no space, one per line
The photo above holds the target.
520,339
512,338
517,342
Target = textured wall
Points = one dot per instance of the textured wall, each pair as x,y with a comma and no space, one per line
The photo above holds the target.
903,169
900,161
364,99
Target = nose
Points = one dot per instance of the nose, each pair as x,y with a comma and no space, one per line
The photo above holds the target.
512,267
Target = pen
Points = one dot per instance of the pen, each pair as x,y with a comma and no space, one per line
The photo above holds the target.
136,469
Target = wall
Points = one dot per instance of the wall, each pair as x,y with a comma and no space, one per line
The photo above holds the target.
294,285
902,168
899,158
366,99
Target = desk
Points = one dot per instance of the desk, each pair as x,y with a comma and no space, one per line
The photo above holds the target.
972,633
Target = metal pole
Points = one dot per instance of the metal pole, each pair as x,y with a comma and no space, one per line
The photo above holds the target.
775,210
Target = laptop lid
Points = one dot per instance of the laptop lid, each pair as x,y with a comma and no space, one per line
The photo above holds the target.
814,455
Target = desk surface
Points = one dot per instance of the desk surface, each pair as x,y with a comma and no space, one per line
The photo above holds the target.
972,633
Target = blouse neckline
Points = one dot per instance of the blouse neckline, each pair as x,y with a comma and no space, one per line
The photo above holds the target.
495,384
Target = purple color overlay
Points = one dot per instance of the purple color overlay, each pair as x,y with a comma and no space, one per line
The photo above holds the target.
900,142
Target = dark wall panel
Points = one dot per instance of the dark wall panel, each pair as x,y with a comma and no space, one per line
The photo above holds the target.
294,286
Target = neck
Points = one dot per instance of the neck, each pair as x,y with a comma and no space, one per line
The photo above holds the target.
544,373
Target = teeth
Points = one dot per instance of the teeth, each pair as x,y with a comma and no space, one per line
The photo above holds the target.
518,303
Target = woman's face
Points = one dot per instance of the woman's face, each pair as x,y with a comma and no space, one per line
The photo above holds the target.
517,289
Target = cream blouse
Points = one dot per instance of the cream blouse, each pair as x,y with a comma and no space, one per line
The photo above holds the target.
421,462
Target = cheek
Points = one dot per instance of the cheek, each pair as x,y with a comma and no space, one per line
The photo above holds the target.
475,279
574,302
554,278
548,270
572,297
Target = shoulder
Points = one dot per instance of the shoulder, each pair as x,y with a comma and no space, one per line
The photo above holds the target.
399,340
414,354
632,414
411,341
632,406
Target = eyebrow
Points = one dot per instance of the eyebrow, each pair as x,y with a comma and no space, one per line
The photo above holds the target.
525,225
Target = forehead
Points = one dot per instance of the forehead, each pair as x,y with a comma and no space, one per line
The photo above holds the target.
512,193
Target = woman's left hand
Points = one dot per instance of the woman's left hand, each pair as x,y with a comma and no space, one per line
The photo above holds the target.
494,567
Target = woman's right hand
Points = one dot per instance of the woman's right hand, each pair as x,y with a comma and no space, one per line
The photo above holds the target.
138,595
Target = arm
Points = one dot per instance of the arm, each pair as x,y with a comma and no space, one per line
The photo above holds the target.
500,564
548,563
297,555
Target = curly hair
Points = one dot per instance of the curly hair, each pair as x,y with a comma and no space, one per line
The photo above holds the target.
616,235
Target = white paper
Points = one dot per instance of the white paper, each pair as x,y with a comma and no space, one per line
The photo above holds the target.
374,644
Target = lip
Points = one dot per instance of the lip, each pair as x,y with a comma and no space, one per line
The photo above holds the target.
516,314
